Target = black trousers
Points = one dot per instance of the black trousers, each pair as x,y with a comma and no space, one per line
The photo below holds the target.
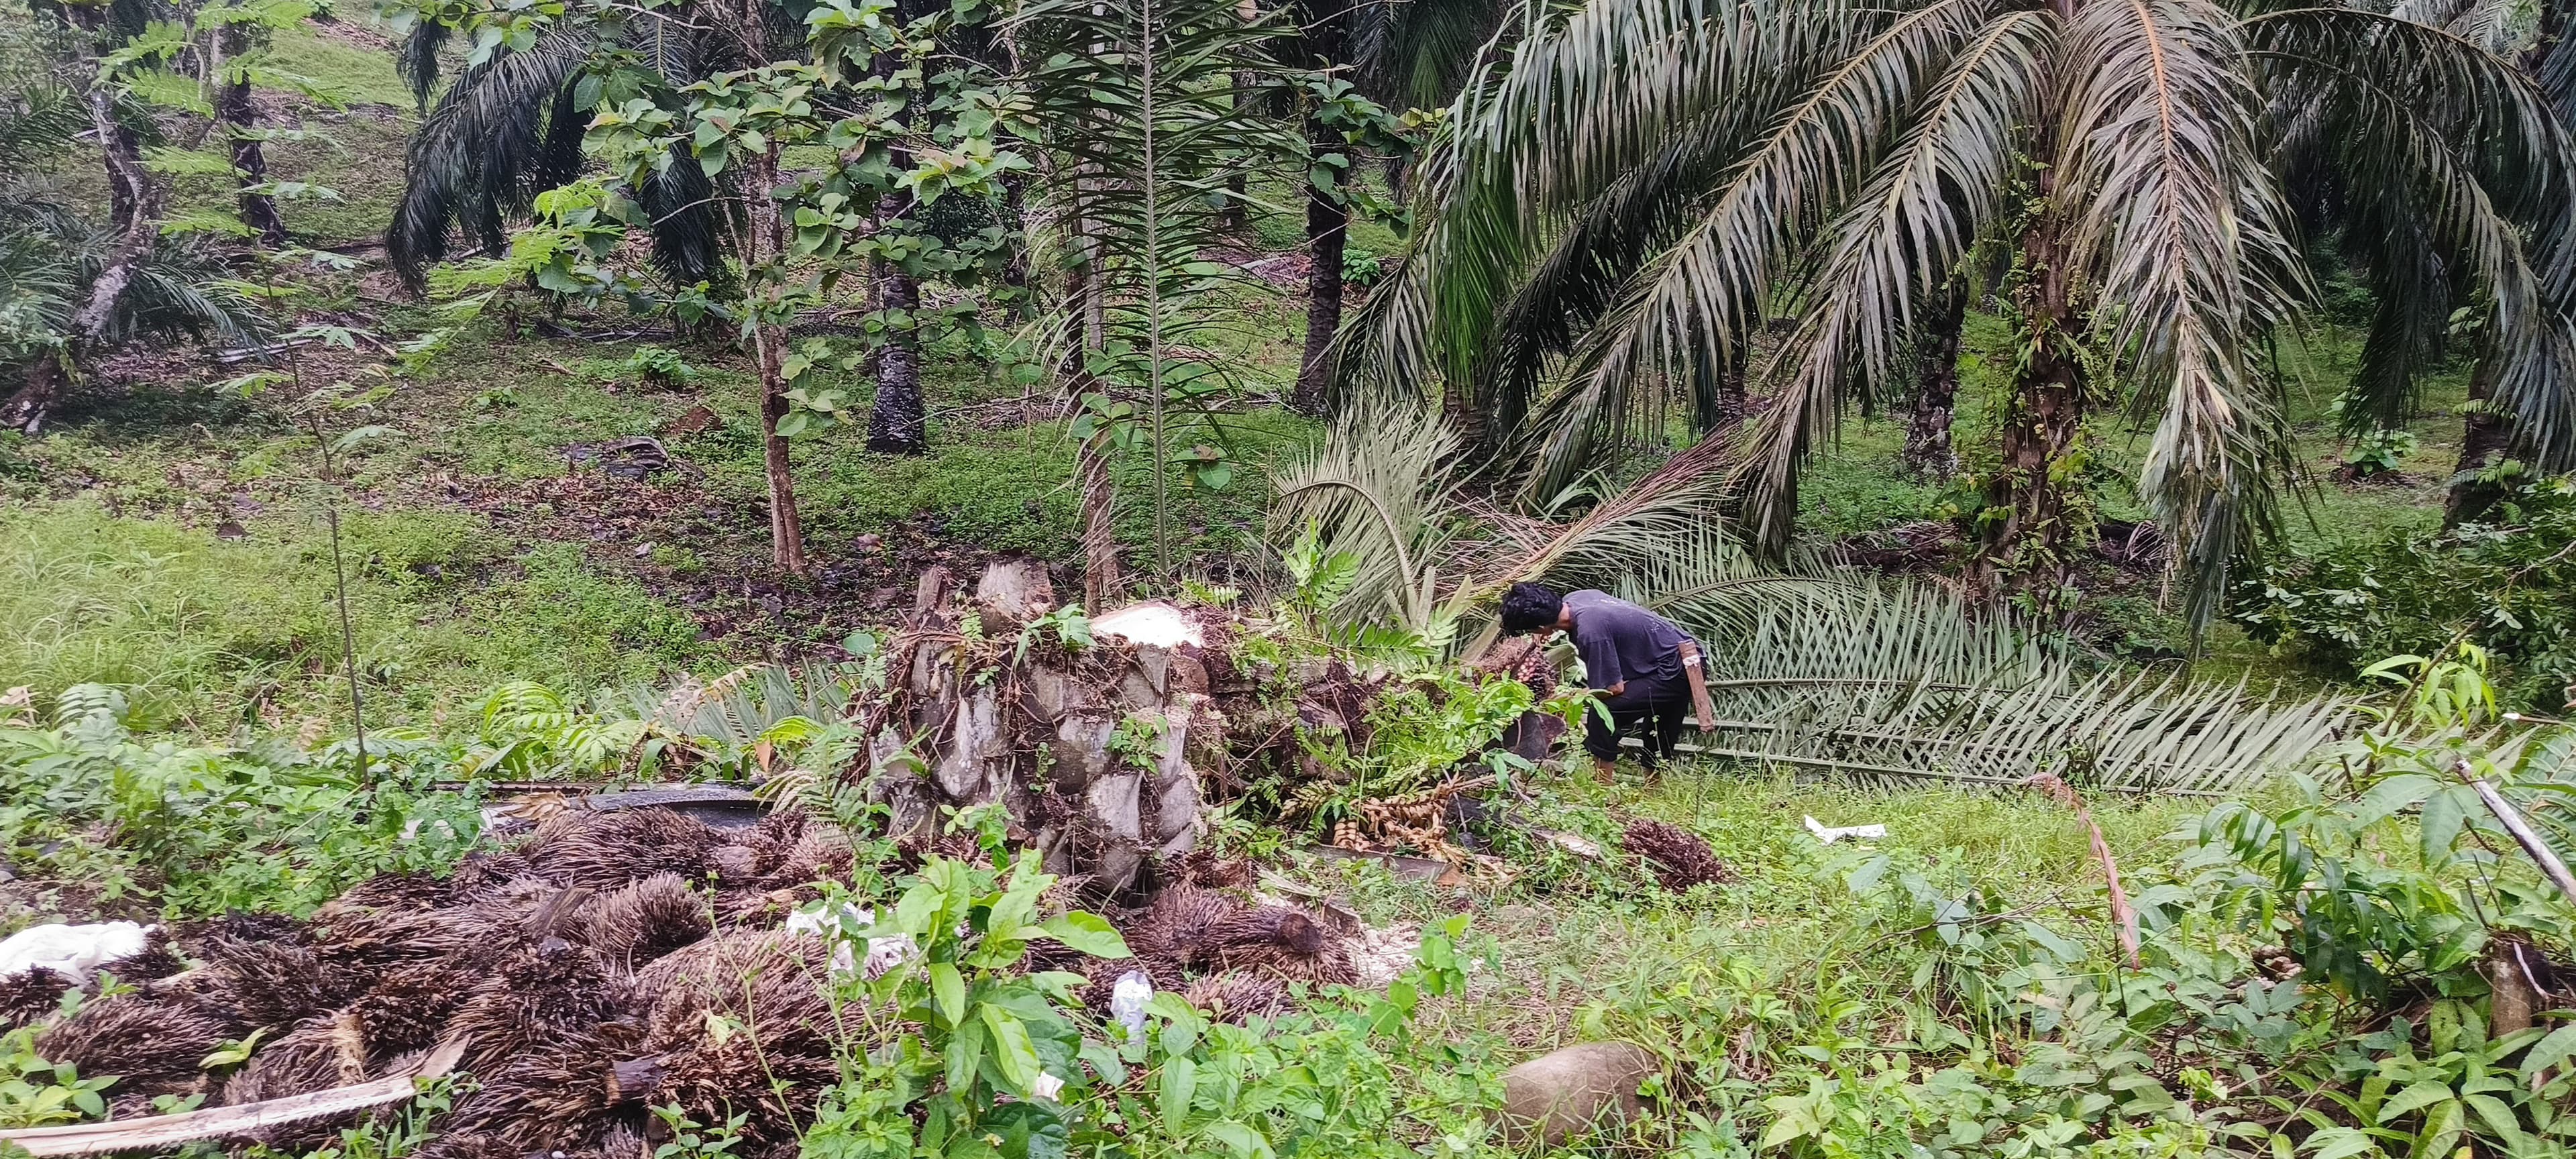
1652,708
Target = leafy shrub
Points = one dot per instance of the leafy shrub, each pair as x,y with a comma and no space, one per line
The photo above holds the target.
2509,586
201,829
2380,452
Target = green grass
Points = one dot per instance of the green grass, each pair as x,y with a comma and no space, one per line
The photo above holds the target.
208,634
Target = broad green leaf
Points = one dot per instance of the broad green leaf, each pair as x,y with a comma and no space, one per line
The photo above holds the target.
948,987
1087,933
2550,1051
1011,1048
2414,1098
1180,1085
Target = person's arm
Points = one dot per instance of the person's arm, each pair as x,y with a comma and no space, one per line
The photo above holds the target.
1692,671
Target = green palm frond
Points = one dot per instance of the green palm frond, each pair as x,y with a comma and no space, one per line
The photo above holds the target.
2173,210
1379,486
1943,186
1700,300
1901,683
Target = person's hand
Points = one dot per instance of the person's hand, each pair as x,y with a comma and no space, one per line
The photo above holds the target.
1707,721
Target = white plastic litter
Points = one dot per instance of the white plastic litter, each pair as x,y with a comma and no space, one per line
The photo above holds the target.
884,953
72,951
1153,622
1127,1001
1832,833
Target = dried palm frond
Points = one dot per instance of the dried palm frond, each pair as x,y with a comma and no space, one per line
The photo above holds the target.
550,1097
1677,857
1284,942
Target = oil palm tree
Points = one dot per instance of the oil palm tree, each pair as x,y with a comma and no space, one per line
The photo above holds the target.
1651,182
509,127
69,289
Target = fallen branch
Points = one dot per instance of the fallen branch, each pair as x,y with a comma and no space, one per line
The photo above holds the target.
2523,834
167,1132
2122,914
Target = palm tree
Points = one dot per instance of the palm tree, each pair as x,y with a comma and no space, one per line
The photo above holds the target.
510,126
1409,52
1652,181
70,289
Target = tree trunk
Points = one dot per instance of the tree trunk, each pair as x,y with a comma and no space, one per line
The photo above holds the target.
2484,440
2029,548
1103,580
897,423
1928,451
769,347
1327,226
238,119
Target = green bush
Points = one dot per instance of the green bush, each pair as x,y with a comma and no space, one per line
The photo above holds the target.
2508,586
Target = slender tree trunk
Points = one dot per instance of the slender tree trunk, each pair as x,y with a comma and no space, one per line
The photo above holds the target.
2030,547
238,119
897,424
1327,228
1928,451
2484,439
765,241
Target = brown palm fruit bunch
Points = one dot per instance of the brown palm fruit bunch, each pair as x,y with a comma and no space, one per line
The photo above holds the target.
552,1096
409,1007
483,875
1288,943
1677,857
151,1045
773,986
1207,870
396,891
159,958
603,851
27,997
646,920
274,985
537,994
822,854
1239,995
1180,924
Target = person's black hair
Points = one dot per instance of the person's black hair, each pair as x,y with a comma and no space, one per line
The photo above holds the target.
1530,608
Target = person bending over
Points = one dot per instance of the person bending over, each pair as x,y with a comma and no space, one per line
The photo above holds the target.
1645,669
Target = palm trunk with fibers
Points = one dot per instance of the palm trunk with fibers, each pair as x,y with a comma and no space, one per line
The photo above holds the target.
1101,581
2028,548
1327,229
897,423
1928,451
237,118
2484,439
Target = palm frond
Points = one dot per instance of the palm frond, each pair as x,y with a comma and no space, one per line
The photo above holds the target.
484,151
1701,299
1379,486
1942,187
2171,208
1901,683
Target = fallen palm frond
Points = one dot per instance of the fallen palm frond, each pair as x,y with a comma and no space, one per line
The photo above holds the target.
1902,683
2123,915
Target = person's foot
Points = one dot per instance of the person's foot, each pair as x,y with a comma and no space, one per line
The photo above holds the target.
1605,772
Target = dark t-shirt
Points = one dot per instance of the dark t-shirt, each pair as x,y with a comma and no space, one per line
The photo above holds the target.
1620,641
